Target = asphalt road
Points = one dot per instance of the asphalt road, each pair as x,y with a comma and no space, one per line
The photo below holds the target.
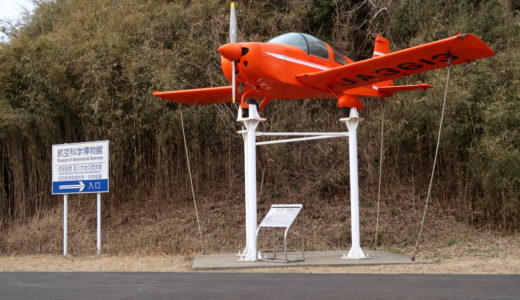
34,285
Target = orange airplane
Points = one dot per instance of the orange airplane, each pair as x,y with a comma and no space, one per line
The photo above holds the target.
299,66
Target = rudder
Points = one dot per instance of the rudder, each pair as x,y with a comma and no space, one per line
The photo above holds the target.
382,47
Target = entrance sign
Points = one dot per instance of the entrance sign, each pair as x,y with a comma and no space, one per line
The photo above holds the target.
80,168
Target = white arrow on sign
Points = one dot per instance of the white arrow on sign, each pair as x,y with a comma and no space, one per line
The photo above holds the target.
79,186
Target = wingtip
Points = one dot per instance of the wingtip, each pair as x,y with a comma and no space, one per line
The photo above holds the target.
486,50
425,86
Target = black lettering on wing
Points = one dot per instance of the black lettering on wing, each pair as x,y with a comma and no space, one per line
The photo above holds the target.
409,66
426,61
365,77
348,82
386,71
444,57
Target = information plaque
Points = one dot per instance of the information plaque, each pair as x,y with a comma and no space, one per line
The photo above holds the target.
281,215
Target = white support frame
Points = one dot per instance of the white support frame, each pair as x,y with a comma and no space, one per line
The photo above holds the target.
249,135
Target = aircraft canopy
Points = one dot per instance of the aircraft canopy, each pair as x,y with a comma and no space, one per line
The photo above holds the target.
306,42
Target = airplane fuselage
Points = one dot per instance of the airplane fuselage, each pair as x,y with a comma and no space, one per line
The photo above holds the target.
268,69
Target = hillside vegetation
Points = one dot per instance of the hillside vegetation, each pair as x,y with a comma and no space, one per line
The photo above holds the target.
81,70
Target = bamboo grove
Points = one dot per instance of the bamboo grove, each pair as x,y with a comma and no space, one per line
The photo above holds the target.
78,70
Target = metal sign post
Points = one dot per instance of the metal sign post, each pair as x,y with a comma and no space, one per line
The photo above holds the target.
65,221
98,227
80,168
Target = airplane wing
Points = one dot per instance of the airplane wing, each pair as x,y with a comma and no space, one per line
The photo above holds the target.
212,95
462,48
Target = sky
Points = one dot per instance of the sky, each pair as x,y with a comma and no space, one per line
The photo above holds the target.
10,10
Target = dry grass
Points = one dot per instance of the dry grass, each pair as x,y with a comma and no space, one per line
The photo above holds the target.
167,227
164,238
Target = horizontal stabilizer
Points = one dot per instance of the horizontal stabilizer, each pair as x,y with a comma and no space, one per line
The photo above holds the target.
213,95
404,88
458,49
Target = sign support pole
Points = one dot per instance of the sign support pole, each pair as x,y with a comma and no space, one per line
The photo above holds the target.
352,123
65,208
98,233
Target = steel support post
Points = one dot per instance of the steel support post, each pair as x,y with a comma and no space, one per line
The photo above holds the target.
65,212
251,123
352,123
98,228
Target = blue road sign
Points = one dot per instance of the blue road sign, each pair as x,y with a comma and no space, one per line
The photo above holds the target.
80,168
80,186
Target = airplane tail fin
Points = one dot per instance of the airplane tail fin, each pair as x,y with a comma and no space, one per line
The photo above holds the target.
382,47
383,88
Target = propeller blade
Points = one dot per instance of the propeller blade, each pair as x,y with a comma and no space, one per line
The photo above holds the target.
233,39
233,83
232,24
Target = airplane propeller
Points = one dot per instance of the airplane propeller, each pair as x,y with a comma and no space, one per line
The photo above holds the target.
233,51
232,40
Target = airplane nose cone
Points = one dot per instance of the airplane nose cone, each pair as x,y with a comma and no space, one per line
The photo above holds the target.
232,51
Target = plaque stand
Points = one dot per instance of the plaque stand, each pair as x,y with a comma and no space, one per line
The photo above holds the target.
282,216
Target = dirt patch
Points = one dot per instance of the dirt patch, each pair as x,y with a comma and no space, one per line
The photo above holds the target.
48,263
453,266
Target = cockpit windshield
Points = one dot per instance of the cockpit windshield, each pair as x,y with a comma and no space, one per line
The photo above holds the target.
306,42
317,47
293,39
